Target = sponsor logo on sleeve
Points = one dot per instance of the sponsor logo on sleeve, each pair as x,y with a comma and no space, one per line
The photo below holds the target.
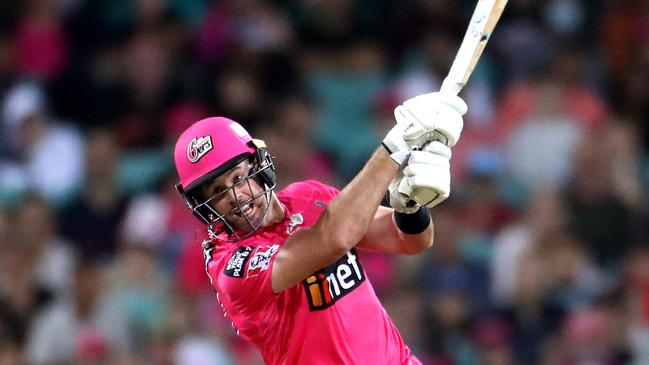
237,262
260,260
325,287
295,221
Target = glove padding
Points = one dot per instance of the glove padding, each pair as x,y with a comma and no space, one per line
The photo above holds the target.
425,118
399,202
432,116
425,181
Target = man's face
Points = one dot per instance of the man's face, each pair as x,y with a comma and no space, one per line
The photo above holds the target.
241,200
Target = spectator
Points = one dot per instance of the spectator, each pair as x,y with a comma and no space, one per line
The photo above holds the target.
589,337
343,83
529,140
92,220
82,328
53,257
42,48
31,136
598,215
534,319
636,294
291,131
543,234
21,298
138,283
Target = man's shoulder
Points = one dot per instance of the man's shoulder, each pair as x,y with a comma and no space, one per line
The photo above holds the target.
304,188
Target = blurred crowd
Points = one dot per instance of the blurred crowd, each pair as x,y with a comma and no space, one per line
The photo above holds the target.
541,253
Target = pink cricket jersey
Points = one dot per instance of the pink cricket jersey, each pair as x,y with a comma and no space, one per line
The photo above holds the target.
332,317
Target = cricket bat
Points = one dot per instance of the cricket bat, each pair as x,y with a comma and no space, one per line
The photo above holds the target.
483,21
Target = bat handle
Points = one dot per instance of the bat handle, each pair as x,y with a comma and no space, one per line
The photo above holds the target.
450,87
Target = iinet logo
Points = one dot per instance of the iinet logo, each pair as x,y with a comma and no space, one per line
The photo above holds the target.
333,282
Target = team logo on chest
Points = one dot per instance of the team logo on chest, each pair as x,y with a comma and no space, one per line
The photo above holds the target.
198,147
261,259
328,285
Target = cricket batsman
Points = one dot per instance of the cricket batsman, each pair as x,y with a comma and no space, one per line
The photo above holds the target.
285,264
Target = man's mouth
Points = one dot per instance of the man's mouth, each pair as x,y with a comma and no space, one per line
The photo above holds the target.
246,210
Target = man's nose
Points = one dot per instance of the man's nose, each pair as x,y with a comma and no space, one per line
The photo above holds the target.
237,199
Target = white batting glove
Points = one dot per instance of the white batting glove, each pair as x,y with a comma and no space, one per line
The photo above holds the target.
425,118
425,181
400,203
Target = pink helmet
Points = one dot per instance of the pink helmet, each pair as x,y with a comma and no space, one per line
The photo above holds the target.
208,148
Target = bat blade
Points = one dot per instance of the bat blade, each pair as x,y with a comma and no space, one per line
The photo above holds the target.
483,21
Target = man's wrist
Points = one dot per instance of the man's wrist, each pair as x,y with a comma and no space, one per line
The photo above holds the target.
397,148
414,223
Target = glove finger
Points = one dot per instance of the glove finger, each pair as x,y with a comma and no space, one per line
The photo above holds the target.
422,105
439,148
405,188
407,120
401,116
434,202
398,201
429,197
434,147
423,189
435,182
425,197
393,188
414,129
429,165
454,102
449,123
427,172
428,117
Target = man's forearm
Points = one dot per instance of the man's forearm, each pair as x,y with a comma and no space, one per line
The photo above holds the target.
349,215
415,230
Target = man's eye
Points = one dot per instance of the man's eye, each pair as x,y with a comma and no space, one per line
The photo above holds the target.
238,179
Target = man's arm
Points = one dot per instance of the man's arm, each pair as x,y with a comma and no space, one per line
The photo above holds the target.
343,224
423,121
383,235
424,183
